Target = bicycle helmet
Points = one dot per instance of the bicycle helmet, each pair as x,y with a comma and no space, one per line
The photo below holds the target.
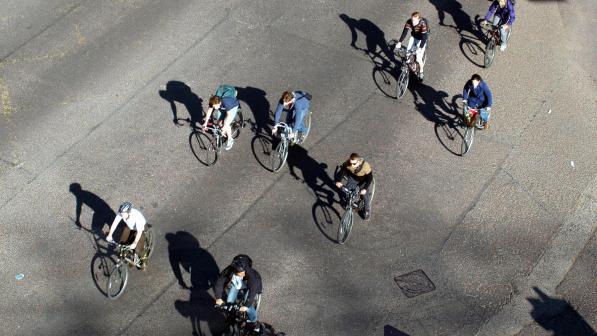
125,207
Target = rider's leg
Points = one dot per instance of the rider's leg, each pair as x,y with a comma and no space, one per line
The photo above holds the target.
298,121
226,129
252,314
412,42
126,236
420,59
232,294
484,115
497,21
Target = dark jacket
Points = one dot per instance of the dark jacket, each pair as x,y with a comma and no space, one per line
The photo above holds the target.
363,174
506,14
479,97
252,279
420,31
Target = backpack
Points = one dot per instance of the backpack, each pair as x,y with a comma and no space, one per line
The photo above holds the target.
244,260
225,90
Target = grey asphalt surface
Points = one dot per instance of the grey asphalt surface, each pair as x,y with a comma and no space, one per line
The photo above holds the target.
80,86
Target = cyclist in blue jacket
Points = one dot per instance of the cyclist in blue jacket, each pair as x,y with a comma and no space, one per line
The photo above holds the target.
296,104
503,16
477,95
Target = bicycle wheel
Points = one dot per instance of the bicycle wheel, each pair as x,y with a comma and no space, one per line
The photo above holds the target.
149,242
402,83
257,302
237,124
489,52
119,277
278,156
306,125
232,330
202,145
372,191
467,139
345,226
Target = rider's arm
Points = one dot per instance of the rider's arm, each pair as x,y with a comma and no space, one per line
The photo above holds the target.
254,287
117,220
491,11
368,180
488,94
137,237
343,174
424,32
465,91
278,113
219,286
208,115
407,26
512,13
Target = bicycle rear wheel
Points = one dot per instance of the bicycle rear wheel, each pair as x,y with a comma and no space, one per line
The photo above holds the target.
237,124
402,83
345,226
203,147
467,139
119,277
279,155
489,52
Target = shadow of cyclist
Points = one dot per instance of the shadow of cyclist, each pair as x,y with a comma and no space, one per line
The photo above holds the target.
375,41
432,104
558,316
313,173
259,106
102,213
180,92
186,255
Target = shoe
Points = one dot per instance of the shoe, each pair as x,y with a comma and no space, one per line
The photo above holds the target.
300,137
486,125
367,215
503,47
229,143
421,77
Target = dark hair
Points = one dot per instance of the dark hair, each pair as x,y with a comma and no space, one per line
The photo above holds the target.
287,96
355,156
476,77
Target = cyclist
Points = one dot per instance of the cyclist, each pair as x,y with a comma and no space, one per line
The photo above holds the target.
503,16
225,109
477,95
296,104
239,276
133,231
357,173
419,34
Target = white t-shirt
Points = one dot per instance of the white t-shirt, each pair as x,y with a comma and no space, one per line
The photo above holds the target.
135,222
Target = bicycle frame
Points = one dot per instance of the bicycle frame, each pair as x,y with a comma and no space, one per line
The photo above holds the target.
408,58
350,196
286,130
125,254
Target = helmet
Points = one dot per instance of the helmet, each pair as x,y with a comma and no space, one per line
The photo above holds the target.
125,207
238,266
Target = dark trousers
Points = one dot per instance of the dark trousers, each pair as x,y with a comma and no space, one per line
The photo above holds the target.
353,184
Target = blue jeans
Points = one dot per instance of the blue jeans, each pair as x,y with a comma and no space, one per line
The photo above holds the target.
503,32
298,121
233,295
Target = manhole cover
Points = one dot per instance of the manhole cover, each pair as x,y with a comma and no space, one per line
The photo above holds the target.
414,283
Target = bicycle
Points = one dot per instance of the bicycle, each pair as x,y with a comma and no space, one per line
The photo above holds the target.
472,119
408,65
210,141
352,200
119,274
280,154
235,320
494,39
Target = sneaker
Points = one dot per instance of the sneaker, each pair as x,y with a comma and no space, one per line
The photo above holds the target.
421,77
486,125
503,47
367,215
229,143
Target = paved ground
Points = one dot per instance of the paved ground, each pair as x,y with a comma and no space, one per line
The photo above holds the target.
507,233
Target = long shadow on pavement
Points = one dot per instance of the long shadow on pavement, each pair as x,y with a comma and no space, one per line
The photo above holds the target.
186,255
558,316
388,330
103,215
177,91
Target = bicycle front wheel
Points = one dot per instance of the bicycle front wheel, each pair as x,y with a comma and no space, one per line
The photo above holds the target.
489,52
279,155
119,277
402,84
345,226
467,140
237,124
203,147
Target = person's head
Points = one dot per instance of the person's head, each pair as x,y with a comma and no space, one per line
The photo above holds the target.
415,17
238,268
215,102
125,209
355,160
476,79
287,98
502,3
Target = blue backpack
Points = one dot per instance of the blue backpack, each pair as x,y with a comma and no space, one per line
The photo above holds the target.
225,90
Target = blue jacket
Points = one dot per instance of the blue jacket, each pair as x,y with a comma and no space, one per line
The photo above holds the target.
477,97
301,104
506,14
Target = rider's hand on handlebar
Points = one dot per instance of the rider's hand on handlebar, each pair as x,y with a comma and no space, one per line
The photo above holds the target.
132,246
219,302
339,184
398,46
363,191
275,130
110,239
484,23
243,309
